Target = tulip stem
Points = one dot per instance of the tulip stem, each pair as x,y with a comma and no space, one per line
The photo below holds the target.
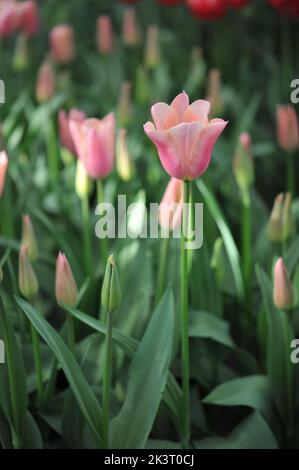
103,241
71,332
290,173
185,319
86,235
37,361
107,379
162,269
246,237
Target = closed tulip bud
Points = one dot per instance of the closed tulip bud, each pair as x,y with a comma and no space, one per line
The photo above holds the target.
62,44
152,47
66,291
105,35
243,163
131,34
3,170
214,92
217,261
287,128
281,224
124,163
282,290
171,206
124,104
21,56
83,184
46,83
111,294
28,283
29,238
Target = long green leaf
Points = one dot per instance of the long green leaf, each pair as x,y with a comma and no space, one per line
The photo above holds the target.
86,399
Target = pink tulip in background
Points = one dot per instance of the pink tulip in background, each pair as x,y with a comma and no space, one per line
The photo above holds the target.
66,290
3,170
62,44
282,290
171,206
184,136
287,127
46,82
64,119
95,144
18,16
105,35
131,34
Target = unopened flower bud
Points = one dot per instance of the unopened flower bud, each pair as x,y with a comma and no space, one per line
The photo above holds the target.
111,294
287,128
46,83
83,183
3,170
281,224
21,55
29,238
105,35
214,92
243,163
62,44
28,283
171,206
131,34
282,290
152,47
124,163
66,291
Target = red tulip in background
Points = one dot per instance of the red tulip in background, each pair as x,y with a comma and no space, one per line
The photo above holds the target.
18,16
286,6
207,9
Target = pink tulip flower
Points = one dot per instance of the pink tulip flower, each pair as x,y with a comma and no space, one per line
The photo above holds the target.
46,83
8,20
66,290
282,290
3,170
184,136
105,35
287,127
171,207
62,44
28,17
64,119
95,144
18,16
131,34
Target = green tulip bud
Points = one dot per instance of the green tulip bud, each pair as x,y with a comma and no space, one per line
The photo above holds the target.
28,283
111,294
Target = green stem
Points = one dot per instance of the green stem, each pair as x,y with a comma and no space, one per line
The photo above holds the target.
37,361
52,152
107,379
185,322
86,235
103,241
162,269
290,173
246,237
71,332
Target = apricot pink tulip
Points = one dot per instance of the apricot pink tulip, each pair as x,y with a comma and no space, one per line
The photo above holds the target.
95,144
66,290
64,119
287,127
282,290
184,136
62,44
105,35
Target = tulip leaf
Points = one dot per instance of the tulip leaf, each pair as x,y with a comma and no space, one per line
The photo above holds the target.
252,433
86,399
229,243
147,380
207,325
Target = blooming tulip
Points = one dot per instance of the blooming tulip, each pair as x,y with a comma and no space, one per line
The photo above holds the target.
184,136
171,206
64,119
29,238
46,83
105,35
62,44
3,170
65,285
207,9
28,283
95,146
287,127
282,289
131,34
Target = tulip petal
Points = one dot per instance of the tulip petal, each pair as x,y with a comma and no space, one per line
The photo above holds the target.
180,104
164,116
198,111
